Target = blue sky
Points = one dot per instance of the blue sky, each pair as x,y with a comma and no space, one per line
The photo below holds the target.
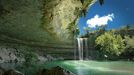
122,12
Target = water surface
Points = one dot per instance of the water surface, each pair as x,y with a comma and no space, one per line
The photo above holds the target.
95,67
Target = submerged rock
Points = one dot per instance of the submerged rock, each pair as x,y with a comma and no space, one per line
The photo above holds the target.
2,70
9,72
55,71
12,72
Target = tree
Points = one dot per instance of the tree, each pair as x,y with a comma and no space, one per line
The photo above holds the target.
129,51
110,43
129,42
101,2
126,30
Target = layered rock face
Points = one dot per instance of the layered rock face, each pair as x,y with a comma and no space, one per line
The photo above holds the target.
60,16
9,55
40,21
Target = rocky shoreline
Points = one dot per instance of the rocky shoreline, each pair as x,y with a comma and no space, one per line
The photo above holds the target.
54,71
12,57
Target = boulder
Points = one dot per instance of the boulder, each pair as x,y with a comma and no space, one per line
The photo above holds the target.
2,70
54,71
12,72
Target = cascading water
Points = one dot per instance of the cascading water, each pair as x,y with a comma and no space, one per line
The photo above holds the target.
82,49
81,53
86,49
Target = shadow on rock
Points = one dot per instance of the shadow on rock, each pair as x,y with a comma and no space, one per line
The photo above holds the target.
54,71
2,71
9,72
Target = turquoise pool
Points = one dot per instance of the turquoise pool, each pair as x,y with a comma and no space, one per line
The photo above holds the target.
95,67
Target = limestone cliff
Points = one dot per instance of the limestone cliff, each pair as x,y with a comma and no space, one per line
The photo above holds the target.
40,21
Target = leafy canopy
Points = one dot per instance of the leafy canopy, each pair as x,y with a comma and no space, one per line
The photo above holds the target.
129,42
111,43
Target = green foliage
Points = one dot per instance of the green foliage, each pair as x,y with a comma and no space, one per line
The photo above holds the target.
129,51
126,30
129,41
101,2
73,28
85,6
111,43
30,58
92,39
29,55
87,30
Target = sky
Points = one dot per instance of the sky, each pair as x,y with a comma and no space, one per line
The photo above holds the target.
113,13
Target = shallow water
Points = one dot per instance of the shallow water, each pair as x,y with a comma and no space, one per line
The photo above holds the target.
95,67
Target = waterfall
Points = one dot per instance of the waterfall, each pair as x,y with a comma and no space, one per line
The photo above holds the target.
82,49
86,48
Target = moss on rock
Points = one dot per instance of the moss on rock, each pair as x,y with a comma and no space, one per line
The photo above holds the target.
40,21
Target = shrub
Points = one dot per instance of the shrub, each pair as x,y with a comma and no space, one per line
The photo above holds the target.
110,43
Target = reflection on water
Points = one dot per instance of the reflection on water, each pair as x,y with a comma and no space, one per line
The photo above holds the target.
96,68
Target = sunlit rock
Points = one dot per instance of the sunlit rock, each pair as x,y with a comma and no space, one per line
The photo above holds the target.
40,21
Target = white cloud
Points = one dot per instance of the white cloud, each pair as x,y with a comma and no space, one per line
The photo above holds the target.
99,21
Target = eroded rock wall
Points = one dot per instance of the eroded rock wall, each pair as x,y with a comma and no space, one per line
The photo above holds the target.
41,21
